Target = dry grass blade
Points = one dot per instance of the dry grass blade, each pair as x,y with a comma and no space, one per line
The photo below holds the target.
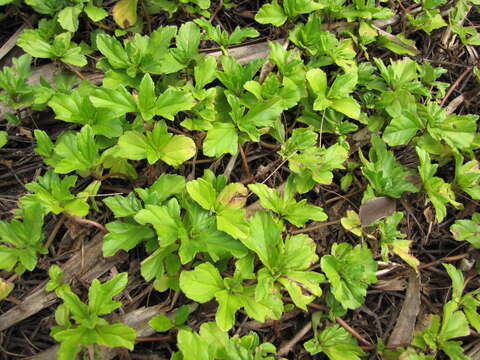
405,325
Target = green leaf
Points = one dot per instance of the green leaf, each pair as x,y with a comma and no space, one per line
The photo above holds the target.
264,238
165,220
124,236
203,193
54,195
119,101
100,295
335,342
117,334
385,175
3,138
222,139
187,41
349,271
113,50
123,206
271,14
232,221
77,152
467,230
125,13
95,13
228,305
156,145
172,101
161,323
68,18
438,191
146,98
202,283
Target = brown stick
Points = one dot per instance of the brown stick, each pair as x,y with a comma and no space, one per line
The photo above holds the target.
285,349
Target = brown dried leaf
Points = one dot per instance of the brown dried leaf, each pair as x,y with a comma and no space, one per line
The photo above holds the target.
375,209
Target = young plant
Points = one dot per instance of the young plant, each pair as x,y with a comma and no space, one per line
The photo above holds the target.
53,194
283,204
13,81
80,325
333,341
211,343
59,47
277,14
438,191
437,336
23,241
467,230
205,283
385,175
223,38
225,201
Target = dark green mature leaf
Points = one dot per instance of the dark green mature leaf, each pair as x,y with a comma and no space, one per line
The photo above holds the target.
124,236
438,191
24,239
385,175
349,271
335,342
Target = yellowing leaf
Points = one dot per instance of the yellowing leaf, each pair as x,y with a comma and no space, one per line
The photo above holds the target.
5,288
125,13
402,249
352,223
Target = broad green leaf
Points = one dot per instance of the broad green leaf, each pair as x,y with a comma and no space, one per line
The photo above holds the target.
165,220
124,236
467,230
95,13
232,221
125,13
203,193
205,71
264,238
385,175
228,304
113,50
271,14
202,283
438,191
347,106
123,206
294,8
193,347
187,41
68,17
349,271
161,323
146,98
222,139
117,334
172,101
119,101
335,342
179,149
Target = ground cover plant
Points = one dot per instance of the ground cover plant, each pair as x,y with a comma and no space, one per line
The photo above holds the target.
200,179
